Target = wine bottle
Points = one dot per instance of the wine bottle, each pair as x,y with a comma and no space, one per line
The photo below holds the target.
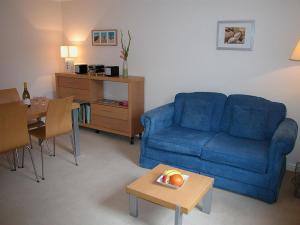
26,96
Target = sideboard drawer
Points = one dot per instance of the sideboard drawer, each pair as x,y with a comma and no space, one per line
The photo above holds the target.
110,123
73,83
110,111
77,93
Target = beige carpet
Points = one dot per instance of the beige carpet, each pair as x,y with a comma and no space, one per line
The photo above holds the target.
93,193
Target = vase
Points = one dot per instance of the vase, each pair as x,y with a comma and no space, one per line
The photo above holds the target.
125,68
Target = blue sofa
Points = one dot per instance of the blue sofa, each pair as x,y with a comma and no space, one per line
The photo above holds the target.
240,140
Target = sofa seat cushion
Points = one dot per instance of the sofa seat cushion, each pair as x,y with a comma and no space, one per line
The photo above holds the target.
242,153
180,140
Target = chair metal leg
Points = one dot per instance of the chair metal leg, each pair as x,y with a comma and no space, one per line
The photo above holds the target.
74,149
23,154
30,141
14,161
9,162
42,157
18,159
54,146
48,148
72,141
33,165
75,131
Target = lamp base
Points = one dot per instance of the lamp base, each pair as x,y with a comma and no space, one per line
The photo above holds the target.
69,65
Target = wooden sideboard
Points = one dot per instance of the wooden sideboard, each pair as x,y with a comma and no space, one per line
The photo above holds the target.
112,118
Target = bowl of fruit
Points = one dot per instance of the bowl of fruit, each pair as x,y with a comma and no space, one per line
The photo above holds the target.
172,178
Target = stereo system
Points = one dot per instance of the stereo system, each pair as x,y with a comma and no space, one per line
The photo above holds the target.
81,69
112,71
97,70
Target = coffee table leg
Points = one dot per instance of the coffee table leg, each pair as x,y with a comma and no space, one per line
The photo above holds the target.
205,205
178,216
133,206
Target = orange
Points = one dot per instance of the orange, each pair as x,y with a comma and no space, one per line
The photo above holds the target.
176,180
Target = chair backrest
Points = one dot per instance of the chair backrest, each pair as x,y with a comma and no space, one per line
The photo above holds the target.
58,117
13,126
9,95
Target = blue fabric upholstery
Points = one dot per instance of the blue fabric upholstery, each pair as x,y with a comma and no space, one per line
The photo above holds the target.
282,144
248,123
235,185
171,158
283,140
249,161
197,114
276,111
181,140
237,152
157,119
194,163
216,99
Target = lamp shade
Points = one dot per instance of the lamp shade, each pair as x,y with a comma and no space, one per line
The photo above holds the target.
68,51
296,53
73,51
64,51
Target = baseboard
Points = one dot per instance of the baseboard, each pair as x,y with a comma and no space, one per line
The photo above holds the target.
291,166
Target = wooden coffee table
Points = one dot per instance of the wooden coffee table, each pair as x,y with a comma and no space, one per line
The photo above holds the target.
196,192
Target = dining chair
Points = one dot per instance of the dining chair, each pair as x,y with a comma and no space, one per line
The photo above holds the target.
58,122
13,131
9,95
12,95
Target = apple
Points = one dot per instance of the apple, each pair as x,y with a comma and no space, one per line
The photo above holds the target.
165,179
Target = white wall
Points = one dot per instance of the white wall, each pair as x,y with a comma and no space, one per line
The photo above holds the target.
174,46
30,36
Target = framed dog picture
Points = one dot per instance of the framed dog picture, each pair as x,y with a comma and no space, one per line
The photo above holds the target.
235,35
105,37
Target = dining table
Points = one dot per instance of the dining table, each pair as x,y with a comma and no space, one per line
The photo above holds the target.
38,109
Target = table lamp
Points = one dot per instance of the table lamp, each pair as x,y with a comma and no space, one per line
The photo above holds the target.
69,53
296,53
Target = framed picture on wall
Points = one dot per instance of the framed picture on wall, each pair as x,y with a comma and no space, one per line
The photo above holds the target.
235,35
105,37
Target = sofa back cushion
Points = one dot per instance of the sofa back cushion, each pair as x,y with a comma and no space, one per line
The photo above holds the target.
252,117
199,110
248,122
196,114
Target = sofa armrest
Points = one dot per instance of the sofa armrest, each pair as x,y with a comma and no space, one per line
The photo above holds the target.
157,118
284,138
283,141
